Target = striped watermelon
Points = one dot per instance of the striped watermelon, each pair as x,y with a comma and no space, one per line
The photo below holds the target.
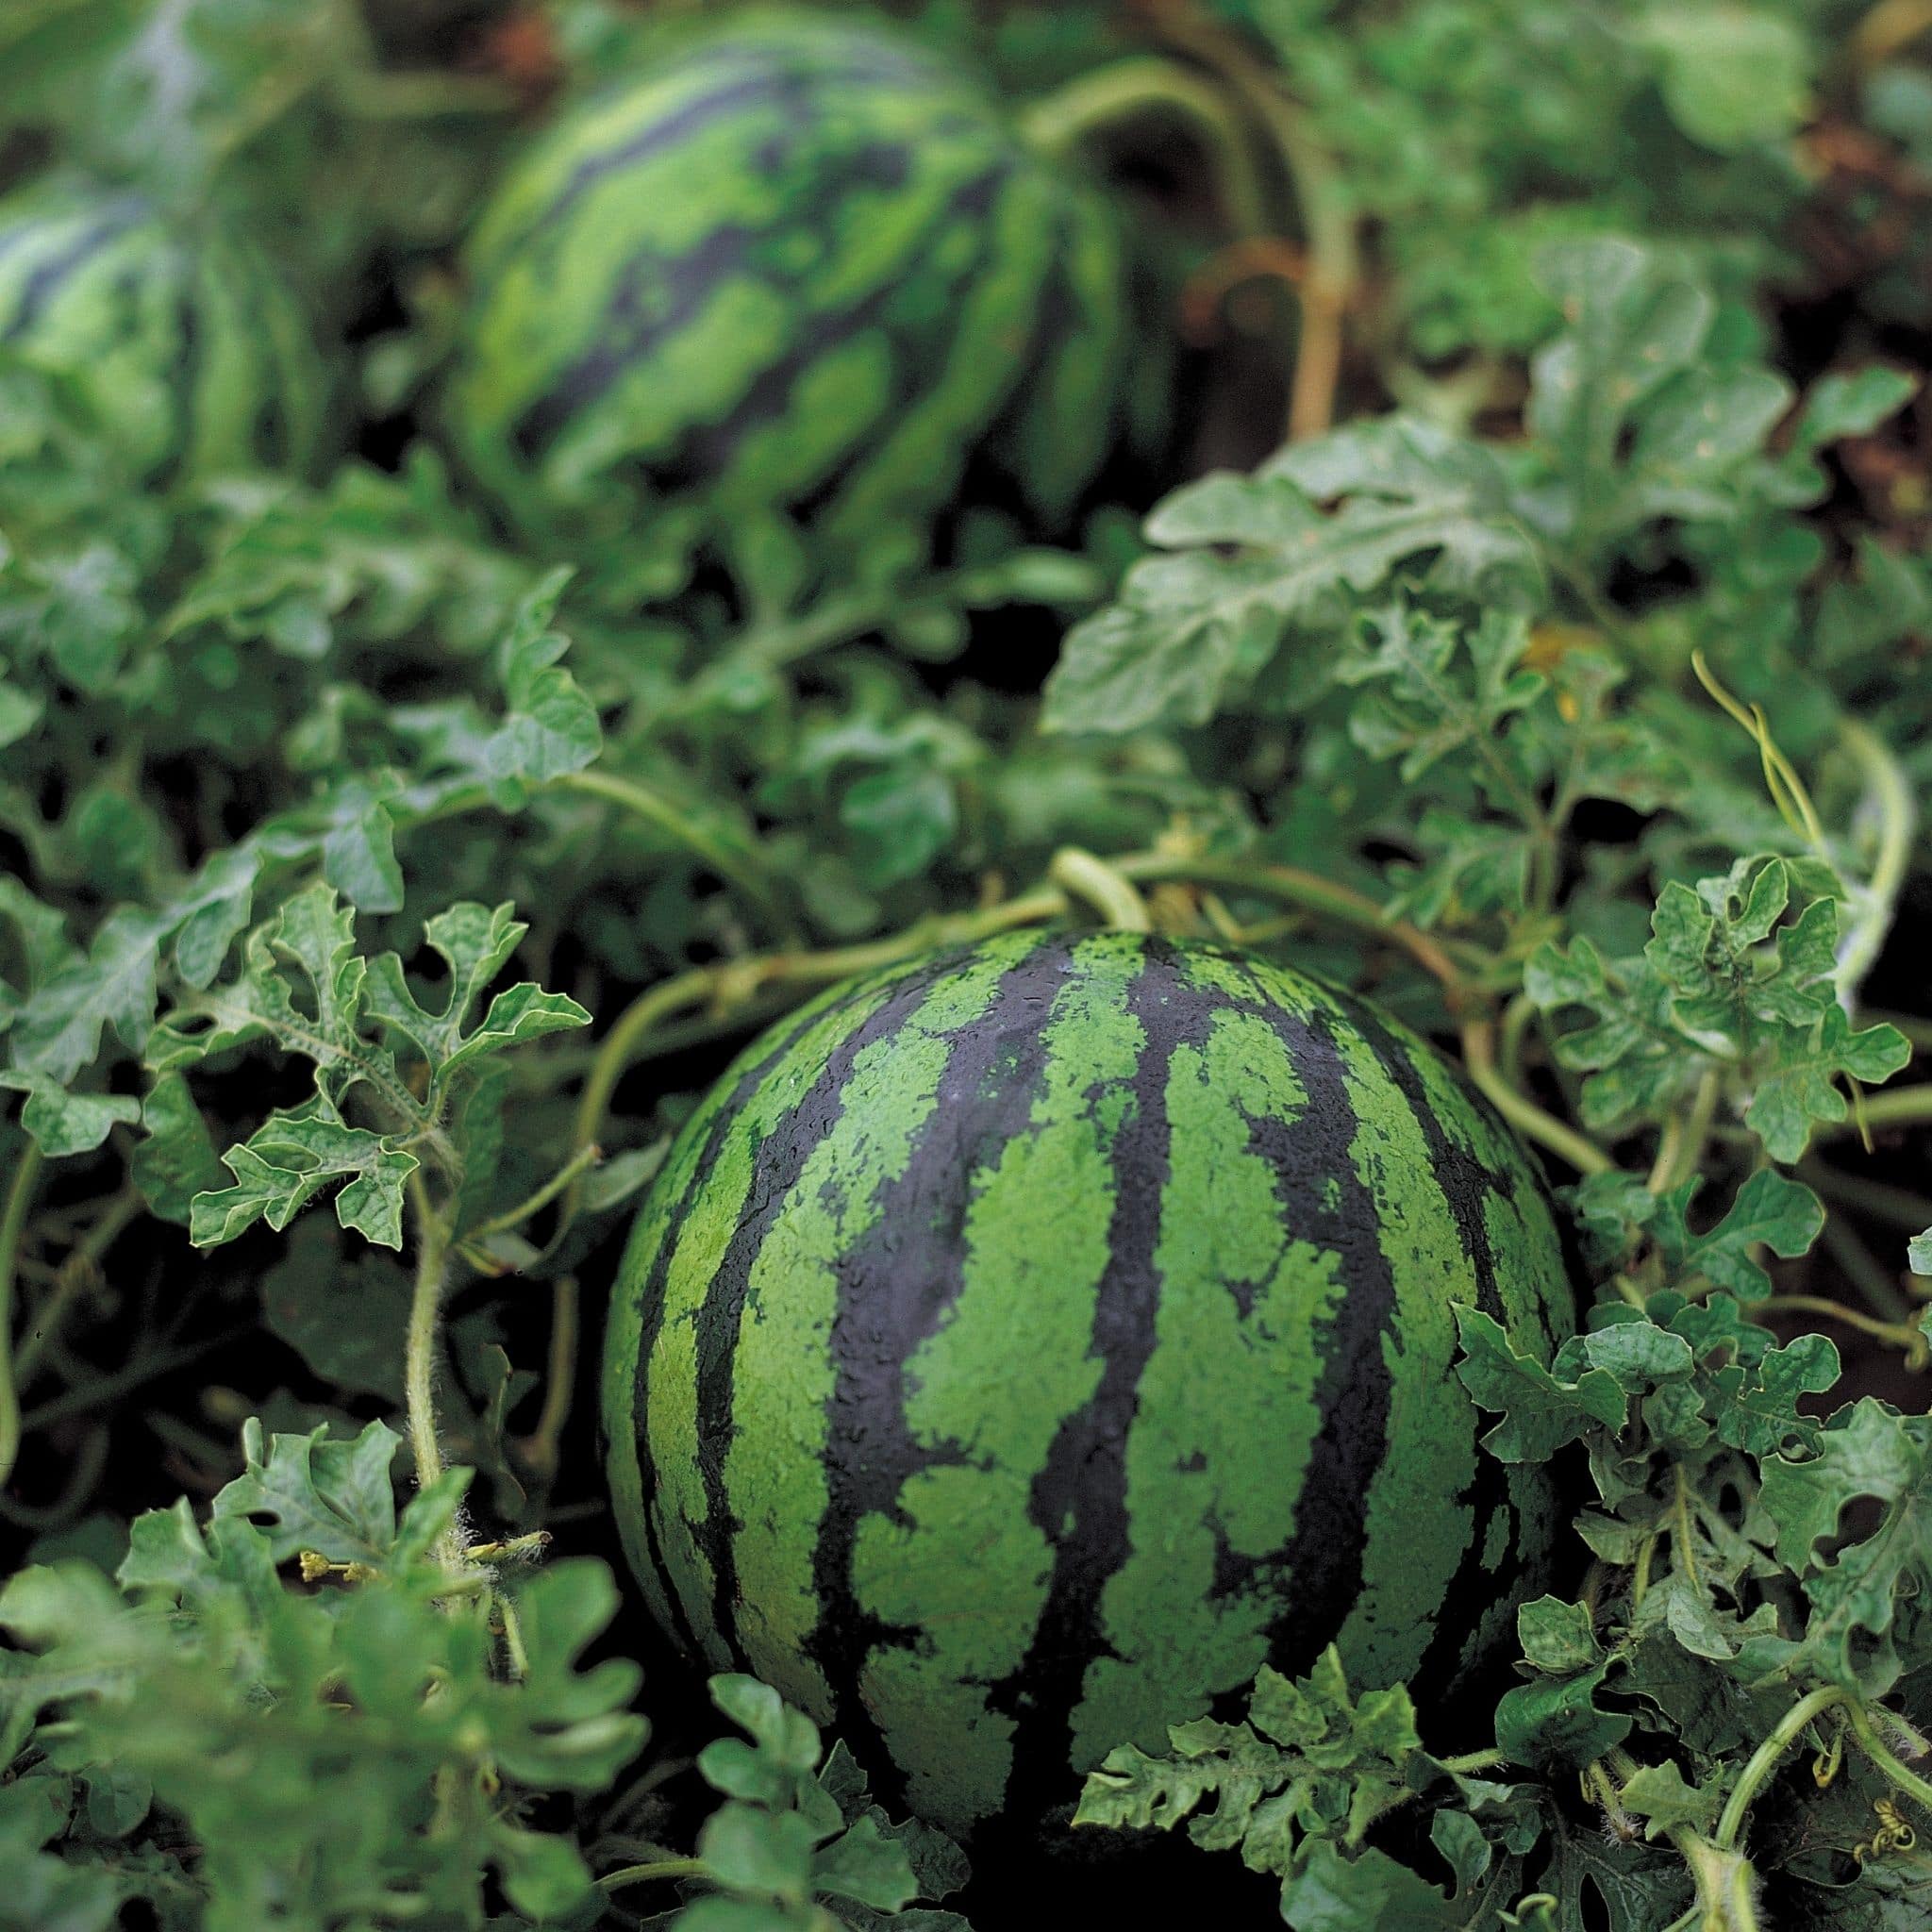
1022,1346
185,347
799,266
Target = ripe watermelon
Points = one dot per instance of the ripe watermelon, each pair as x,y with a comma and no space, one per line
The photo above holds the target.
187,348
797,267
1022,1346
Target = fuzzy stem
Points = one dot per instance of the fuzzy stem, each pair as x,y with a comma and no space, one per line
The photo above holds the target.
1681,1148
1524,1114
1898,816
1726,1885
1109,893
643,1875
1881,1291
20,1196
1305,889
1888,30
377,95
1327,215
73,1273
110,1388
419,1345
1881,1755
1110,96
1905,1336
572,1169
1764,1760
656,809
540,1447
1516,1018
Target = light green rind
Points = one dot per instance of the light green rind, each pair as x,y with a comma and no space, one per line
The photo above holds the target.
189,351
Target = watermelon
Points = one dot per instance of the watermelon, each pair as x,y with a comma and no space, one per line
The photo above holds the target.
180,339
1021,1347
798,272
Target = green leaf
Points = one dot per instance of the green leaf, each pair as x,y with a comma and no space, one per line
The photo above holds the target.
1557,1720
174,1160
57,1031
474,943
1800,1089
65,1124
1772,1209
1659,1795
1853,403
299,1152
346,1315
1867,1450
1558,1636
290,1159
1334,1893
1252,560
1540,1413
1733,75
551,728
310,1494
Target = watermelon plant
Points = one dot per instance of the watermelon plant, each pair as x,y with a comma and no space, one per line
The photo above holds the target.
1276,1165
797,268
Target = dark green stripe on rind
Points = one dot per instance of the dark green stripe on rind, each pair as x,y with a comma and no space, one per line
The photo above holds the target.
1033,1343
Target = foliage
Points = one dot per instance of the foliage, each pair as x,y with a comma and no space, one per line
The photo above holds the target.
1560,683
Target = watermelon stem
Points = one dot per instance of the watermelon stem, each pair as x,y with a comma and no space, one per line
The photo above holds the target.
1109,891
540,1448
1764,1760
742,870
377,95
20,1196
1888,792
421,1342
1865,1733
1907,1337
1110,97
582,1159
1327,210
1680,1146
658,1869
1524,1114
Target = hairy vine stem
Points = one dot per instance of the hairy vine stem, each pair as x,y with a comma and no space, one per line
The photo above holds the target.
1907,1337
420,1344
651,806
1333,274
1529,1120
656,1869
1108,97
1891,791
540,1447
1875,1747
20,1195
1765,1760
1111,893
